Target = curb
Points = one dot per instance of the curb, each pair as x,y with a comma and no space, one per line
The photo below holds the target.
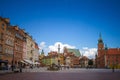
3,73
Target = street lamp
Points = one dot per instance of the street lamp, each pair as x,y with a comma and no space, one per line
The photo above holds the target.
113,67
12,62
105,55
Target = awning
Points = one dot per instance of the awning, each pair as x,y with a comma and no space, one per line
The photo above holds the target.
36,63
23,62
28,61
3,61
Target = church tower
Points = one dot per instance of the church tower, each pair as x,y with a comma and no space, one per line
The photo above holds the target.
100,45
42,53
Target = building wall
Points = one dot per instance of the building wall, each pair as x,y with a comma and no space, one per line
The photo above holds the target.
9,44
3,24
30,45
61,57
107,57
68,61
15,43
71,57
36,54
24,56
18,47
84,61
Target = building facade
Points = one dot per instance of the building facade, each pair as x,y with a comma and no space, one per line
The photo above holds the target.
30,46
84,61
107,57
72,57
4,22
9,44
36,54
16,45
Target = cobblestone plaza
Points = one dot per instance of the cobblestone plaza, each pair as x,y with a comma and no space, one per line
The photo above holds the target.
65,74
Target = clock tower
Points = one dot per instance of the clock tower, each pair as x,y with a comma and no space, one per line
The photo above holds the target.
100,45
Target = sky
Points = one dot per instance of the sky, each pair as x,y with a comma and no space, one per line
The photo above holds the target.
71,23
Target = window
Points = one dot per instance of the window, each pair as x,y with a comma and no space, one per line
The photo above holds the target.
1,35
0,48
19,36
3,26
31,45
11,51
31,51
6,41
5,50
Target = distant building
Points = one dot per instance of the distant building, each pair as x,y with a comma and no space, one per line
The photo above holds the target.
107,57
76,52
71,56
53,55
36,54
41,58
84,61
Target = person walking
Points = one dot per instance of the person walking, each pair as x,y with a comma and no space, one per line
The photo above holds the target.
9,67
113,69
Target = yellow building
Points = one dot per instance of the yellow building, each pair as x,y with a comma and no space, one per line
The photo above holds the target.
30,46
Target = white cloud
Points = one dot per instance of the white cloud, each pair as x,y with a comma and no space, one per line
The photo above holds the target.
42,45
85,48
89,52
55,46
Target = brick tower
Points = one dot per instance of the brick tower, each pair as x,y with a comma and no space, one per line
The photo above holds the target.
100,46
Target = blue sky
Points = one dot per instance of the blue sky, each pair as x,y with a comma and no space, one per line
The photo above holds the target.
74,22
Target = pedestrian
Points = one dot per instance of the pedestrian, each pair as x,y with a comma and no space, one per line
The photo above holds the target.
20,66
9,67
113,69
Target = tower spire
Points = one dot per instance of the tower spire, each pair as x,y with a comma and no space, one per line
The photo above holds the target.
100,39
42,52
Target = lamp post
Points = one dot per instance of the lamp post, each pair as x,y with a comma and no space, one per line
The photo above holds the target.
105,55
12,62
113,67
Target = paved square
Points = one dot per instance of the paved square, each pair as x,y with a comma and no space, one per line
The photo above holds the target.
71,74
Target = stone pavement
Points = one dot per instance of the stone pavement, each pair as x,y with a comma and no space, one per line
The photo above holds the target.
71,74
44,69
5,72
73,70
